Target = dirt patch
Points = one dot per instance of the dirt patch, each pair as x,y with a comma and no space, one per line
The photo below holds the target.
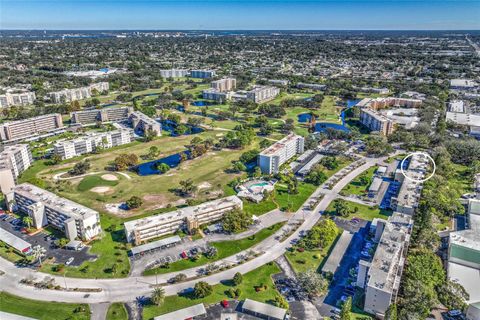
101,189
219,135
176,203
204,185
116,209
109,177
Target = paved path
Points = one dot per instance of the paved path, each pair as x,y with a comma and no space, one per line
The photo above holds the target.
127,289
99,311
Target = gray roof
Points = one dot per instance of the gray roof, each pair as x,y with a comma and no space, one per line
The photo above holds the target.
338,252
375,185
11,316
155,244
263,308
14,241
185,313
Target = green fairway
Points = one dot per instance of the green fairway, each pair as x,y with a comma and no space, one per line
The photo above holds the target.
42,310
362,211
117,311
257,277
225,249
90,182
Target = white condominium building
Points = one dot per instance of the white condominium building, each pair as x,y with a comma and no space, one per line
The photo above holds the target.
381,277
145,229
142,122
46,208
91,141
174,73
202,74
313,86
260,94
16,99
270,159
17,158
224,85
213,94
101,115
377,122
68,95
27,128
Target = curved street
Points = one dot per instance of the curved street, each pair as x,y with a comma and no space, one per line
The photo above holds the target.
128,289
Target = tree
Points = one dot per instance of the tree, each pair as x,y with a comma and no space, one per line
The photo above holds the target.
202,289
316,176
329,162
453,295
153,152
162,167
80,168
38,252
237,279
28,221
211,252
55,159
238,166
341,208
187,187
346,312
280,301
134,202
288,126
125,161
236,221
158,296
149,135
313,283
321,235
391,313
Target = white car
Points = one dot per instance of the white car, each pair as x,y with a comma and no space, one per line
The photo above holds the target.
69,261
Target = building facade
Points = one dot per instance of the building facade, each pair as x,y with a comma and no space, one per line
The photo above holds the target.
69,95
212,94
260,94
13,161
270,159
141,230
376,122
20,129
46,208
92,141
202,74
101,115
174,73
224,85
17,99
144,123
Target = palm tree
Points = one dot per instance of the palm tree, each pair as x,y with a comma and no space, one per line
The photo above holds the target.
28,221
38,252
158,296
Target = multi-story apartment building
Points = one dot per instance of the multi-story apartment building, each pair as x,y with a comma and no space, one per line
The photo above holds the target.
377,122
145,229
381,277
174,73
278,82
92,141
144,123
212,94
101,115
68,95
224,85
313,86
260,94
202,74
464,258
270,159
20,129
46,208
13,161
16,99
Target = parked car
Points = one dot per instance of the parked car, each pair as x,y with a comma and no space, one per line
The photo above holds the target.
69,261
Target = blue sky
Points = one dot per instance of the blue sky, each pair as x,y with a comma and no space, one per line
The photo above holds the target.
241,15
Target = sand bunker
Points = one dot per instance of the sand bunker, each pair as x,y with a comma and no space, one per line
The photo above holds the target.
204,185
101,189
109,177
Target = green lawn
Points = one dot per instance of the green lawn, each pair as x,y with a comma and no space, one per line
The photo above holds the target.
43,310
310,259
117,311
225,249
356,187
251,279
90,182
363,211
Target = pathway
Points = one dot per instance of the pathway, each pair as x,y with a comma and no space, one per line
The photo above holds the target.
99,311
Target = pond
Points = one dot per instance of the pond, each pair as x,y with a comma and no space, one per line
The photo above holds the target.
149,168
170,126
201,103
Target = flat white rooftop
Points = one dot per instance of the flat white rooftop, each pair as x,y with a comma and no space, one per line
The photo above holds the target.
264,309
186,313
279,145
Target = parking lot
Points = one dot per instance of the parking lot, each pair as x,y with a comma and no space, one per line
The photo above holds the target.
47,241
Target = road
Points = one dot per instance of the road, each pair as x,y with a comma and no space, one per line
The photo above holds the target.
128,289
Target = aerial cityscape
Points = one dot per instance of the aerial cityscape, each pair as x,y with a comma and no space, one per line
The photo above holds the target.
178,160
